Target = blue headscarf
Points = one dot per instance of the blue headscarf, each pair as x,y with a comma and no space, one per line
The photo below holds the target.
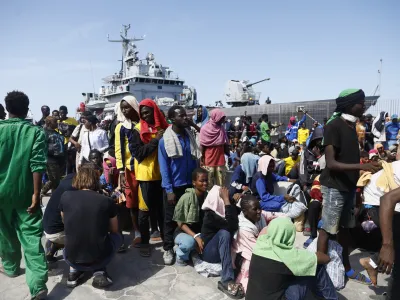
205,117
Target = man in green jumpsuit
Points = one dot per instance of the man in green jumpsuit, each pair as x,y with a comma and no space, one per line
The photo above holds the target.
23,152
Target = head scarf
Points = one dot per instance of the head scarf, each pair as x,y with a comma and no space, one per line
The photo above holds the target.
249,165
214,202
346,99
373,153
290,122
213,134
278,245
204,116
131,100
146,130
263,164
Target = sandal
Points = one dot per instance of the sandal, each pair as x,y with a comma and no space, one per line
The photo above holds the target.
145,251
360,278
232,290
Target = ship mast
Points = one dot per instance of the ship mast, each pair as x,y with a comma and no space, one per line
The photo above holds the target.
125,43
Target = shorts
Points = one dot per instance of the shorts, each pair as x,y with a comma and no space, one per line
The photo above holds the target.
337,209
131,189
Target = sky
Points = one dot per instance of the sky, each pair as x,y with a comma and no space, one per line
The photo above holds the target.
55,50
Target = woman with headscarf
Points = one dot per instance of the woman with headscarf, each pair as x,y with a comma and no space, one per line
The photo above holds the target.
93,138
201,117
220,222
214,146
378,128
146,135
127,111
262,185
293,127
241,178
280,271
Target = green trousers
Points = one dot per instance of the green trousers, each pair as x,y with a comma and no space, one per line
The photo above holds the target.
18,228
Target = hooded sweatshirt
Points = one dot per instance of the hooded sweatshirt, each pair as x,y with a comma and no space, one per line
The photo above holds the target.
23,151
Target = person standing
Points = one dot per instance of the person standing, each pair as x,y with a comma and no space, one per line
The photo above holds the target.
22,162
303,134
339,178
214,146
178,156
392,131
369,137
293,127
45,113
378,128
265,130
55,155
128,116
94,138
146,136
360,129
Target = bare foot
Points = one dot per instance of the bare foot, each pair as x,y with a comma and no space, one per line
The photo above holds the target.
372,273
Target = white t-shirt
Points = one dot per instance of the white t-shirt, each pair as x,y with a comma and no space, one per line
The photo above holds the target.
98,140
373,194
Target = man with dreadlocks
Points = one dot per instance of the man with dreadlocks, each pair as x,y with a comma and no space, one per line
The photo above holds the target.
339,178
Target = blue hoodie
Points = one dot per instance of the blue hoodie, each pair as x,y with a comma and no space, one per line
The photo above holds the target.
392,130
291,133
176,172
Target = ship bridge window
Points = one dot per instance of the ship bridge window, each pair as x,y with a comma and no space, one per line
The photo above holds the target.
160,81
148,80
153,81
159,87
167,82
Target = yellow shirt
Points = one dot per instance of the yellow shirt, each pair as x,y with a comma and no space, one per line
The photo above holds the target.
290,163
302,135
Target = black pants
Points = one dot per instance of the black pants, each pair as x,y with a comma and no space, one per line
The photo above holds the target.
153,197
169,224
314,210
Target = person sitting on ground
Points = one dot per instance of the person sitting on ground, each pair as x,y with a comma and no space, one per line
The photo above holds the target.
280,271
262,186
283,150
55,155
189,216
251,221
219,224
382,153
265,149
291,162
89,248
241,178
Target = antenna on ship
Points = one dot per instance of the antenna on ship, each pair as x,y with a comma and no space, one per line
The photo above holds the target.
379,86
125,42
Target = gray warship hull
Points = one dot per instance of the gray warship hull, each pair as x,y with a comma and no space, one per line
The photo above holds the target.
281,112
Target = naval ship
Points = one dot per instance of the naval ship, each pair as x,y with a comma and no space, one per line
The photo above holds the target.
143,78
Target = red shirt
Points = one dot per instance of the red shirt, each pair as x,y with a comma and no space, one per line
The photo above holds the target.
214,156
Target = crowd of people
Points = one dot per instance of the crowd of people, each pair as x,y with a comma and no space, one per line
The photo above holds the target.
337,182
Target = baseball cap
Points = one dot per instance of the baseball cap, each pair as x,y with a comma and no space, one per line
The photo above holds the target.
394,116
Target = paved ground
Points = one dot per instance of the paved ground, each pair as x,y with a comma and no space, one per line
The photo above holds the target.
140,278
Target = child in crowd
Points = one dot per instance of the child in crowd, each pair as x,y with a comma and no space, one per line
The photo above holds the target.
189,216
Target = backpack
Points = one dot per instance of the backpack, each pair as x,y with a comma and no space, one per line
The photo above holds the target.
55,144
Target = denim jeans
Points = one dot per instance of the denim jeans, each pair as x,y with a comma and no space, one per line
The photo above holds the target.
337,209
321,285
116,240
186,243
219,250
